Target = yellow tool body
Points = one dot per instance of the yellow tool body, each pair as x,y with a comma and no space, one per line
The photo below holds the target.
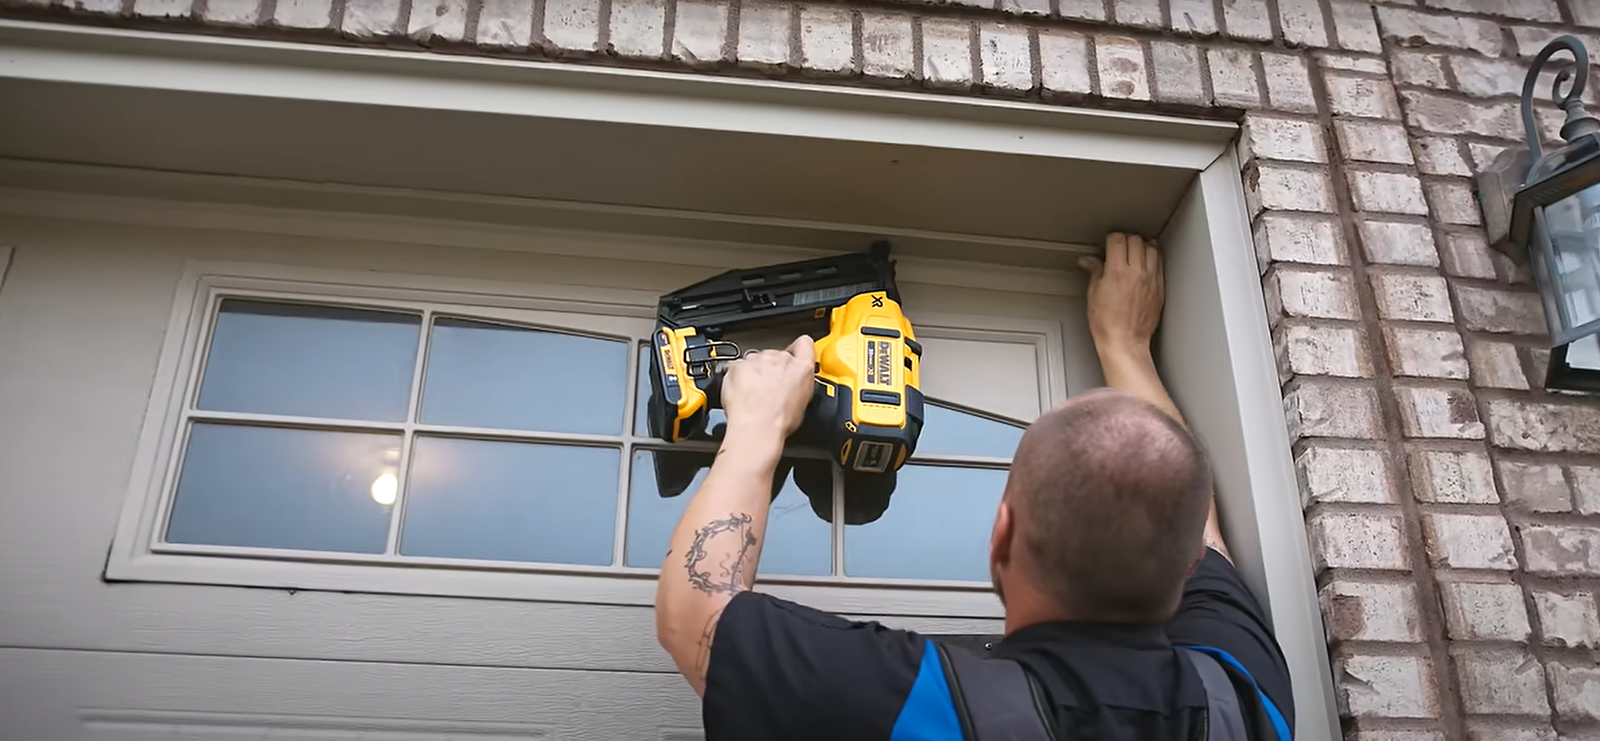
687,373
868,369
867,407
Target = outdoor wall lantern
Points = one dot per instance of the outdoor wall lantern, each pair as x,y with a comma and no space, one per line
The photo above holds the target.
1542,206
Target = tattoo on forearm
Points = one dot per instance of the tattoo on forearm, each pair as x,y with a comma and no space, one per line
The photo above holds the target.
702,656
729,571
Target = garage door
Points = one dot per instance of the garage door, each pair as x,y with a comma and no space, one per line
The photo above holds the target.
391,491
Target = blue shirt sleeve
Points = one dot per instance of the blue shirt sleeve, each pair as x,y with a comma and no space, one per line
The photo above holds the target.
783,671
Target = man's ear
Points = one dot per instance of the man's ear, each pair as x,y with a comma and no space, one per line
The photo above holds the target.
1001,537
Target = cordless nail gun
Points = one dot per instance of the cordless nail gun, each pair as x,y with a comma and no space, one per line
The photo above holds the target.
866,405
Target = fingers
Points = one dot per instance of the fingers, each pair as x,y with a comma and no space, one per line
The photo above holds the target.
1122,248
803,349
1138,252
1117,248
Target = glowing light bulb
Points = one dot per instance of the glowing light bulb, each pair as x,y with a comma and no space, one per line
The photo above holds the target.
384,488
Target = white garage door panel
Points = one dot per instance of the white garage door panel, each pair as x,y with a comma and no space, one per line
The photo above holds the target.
162,618
62,695
80,293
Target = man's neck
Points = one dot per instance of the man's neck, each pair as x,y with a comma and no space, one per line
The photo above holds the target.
1026,607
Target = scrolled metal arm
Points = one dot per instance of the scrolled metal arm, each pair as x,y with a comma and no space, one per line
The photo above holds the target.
1568,101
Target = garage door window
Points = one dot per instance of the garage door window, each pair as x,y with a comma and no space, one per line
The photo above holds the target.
426,435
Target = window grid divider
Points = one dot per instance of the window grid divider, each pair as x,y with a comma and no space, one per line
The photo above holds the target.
837,526
408,437
619,549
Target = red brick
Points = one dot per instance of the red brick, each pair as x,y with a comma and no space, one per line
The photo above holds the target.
1425,353
1303,238
1484,612
1468,541
1320,409
1247,19
1122,68
1344,475
1568,620
1577,690
1535,487
1193,16
1385,686
701,28
1367,540
1544,427
1006,55
1501,682
1412,297
1452,477
886,46
1494,310
1233,78
1371,611
1562,550
1177,72
827,39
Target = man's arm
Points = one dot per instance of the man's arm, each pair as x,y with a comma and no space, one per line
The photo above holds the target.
1127,290
717,543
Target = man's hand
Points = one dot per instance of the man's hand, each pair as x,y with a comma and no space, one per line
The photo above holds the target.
1126,292
766,393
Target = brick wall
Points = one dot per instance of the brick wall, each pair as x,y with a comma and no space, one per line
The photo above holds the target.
1453,506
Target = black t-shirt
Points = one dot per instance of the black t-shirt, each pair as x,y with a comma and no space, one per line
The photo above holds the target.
781,671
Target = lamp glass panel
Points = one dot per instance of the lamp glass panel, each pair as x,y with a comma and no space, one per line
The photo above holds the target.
1584,353
1573,226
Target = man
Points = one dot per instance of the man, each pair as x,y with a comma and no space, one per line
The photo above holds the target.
1105,554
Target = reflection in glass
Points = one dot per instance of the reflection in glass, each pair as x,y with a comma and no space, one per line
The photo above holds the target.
268,487
716,422
948,431
937,527
509,501
313,361
798,541
491,375
1574,228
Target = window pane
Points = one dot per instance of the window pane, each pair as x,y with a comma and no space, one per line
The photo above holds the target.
715,422
947,431
492,375
936,527
313,361
269,487
507,501
1574,224
798,540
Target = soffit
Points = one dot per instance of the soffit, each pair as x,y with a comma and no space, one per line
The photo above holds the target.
946,177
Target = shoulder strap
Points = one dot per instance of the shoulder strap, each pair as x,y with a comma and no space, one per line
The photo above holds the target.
995,699
1224,717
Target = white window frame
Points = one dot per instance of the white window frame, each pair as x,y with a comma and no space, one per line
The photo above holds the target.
138,553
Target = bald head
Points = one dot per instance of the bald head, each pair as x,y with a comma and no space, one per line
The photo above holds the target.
1110,497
